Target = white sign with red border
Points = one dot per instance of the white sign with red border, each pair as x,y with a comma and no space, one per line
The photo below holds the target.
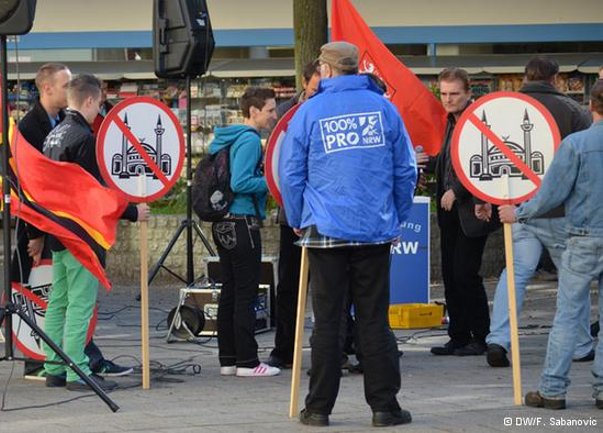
504,135
273,154
34,297
141,142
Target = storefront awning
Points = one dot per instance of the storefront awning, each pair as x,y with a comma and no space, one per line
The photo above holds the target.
588,63
591,66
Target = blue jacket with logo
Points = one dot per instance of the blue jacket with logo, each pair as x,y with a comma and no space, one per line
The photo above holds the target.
347,163
246,179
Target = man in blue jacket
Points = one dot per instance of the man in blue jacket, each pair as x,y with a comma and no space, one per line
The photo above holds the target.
347,176
575,180
237,236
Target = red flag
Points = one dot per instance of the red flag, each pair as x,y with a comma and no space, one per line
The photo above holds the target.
423,114
63,199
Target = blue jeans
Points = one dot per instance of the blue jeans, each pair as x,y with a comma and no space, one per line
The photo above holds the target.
582,262
528,241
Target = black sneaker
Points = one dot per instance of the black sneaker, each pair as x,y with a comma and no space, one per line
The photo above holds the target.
111,369
497,356
355,368
394,417
80,385
57,381
446,349
275,361
599,403
590,356
475,348
311,418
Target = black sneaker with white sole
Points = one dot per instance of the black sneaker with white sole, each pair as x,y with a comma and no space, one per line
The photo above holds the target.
111,369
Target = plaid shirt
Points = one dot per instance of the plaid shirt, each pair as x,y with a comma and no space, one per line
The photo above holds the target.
312,239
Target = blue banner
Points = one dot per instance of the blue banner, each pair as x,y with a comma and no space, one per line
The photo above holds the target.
409,273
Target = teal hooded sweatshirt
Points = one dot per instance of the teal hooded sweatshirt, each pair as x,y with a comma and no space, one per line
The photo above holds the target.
246,177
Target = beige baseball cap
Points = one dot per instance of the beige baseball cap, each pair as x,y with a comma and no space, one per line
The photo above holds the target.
341,55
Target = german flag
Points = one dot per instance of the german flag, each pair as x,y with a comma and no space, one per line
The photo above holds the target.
64,200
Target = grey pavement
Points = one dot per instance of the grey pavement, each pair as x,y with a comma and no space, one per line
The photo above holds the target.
450,394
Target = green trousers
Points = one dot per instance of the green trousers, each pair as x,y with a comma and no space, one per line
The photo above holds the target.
70,306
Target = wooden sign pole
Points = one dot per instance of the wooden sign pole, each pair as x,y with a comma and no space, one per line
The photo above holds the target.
512,303
144,307
299,334
144,297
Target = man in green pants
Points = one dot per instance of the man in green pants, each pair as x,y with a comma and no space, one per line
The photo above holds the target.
73,296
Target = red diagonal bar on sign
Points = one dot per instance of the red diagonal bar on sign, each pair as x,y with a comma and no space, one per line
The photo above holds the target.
132,139
506,150
30,295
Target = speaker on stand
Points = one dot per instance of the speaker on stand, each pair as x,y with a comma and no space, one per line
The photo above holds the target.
16,16
183,44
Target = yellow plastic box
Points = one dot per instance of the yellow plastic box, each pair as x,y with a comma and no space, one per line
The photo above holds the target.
409,316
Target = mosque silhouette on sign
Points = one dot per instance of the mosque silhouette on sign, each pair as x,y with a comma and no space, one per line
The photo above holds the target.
492,163
129,162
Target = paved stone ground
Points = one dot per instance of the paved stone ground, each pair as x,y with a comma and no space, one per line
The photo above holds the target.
451,394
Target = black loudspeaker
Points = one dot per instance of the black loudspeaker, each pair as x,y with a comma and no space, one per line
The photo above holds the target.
16,16
183,41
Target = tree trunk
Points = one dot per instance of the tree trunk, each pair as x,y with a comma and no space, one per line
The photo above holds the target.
310,26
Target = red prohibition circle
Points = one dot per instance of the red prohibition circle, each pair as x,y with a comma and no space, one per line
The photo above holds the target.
42,304
464,120
100,143
275,139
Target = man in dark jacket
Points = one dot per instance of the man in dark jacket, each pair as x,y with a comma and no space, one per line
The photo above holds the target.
310,79
548,231
51,80
289,253
462,235
73,297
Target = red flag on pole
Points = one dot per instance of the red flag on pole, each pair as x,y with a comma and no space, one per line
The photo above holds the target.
423,114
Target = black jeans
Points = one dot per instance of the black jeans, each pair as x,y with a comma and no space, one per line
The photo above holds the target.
364,272
240,249
286,295
464,290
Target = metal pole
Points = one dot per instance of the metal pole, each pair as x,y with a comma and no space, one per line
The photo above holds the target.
190,274
8,346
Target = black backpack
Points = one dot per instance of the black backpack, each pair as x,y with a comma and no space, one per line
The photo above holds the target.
211,193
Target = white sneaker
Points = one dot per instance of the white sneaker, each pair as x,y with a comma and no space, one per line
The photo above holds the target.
229,370
262,370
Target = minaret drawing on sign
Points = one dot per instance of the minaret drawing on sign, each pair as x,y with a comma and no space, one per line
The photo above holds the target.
527,127
130,163
123,174
492,163
486,162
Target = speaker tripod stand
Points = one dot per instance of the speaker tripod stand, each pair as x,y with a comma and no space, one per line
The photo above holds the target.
9,308
6,313
187,225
